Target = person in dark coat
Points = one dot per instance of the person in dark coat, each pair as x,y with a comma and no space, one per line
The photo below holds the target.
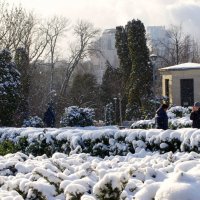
161,118
195,115
49,117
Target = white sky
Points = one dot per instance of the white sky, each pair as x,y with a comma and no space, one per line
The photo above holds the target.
111,13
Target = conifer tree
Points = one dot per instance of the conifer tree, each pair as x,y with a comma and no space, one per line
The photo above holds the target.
137,75
22,64
9,88
140,80
111,84
84,90
125,63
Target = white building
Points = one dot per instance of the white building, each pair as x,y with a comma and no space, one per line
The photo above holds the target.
157,39
107,53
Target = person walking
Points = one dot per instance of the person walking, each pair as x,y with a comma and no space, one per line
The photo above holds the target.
195,115
161,118
49,117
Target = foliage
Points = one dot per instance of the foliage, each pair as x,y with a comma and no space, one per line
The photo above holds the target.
178,118
22,65
110,187
140,80
137,74
109,114
9,88
102,144
84,90
7,147
34,121
76,116
111,84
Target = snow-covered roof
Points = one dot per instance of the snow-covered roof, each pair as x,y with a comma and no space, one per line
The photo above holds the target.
184,66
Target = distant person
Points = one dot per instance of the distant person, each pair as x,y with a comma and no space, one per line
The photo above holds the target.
161,118
49,117
195,115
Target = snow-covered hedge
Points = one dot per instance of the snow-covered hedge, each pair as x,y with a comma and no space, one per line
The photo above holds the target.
140,176
102,141
179,117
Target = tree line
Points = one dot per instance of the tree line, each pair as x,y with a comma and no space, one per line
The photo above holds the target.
31,52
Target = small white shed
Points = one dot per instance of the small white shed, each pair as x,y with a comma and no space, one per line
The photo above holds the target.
181,83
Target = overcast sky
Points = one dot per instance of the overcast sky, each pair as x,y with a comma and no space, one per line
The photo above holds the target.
110,13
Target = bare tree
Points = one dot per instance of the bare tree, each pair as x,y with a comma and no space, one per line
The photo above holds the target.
177,48
85,33
19,28
54,30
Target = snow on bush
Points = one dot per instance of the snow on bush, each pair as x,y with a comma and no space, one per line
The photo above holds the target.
97,141
179,117
34,121
140,176
76,116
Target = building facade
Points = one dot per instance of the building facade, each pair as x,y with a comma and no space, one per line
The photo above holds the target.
180,83
106,52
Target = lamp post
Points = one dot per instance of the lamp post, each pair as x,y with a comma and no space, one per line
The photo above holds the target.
115,100
153,58
120,108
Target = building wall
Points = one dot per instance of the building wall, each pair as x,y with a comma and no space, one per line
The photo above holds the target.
174,84
106,44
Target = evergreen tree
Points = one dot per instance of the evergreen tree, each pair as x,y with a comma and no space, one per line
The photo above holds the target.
9,88
84,91
110,88
123,53
121,45
140,80
111,84
109,114
22,64
137,75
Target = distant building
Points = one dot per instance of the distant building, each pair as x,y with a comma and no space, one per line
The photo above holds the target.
157,39
106,52
180,83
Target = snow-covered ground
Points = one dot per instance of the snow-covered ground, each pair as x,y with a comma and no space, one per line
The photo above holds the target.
140,176
144,175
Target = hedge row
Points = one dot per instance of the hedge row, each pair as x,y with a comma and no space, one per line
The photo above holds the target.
101,142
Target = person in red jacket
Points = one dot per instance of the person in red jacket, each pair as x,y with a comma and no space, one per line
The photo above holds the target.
195,115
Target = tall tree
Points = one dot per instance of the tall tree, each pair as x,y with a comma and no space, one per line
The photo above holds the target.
9,88
134,58
54,30
85,33
111,87
178,47
22,65
125,63
140,81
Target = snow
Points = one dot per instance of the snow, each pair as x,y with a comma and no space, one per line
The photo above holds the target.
140,176
144,175
184,66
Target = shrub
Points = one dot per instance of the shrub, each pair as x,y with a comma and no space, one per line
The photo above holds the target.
7,146
110,186
143,124
33,122
75,116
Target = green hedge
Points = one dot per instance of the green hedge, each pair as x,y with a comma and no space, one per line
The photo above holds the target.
97,141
